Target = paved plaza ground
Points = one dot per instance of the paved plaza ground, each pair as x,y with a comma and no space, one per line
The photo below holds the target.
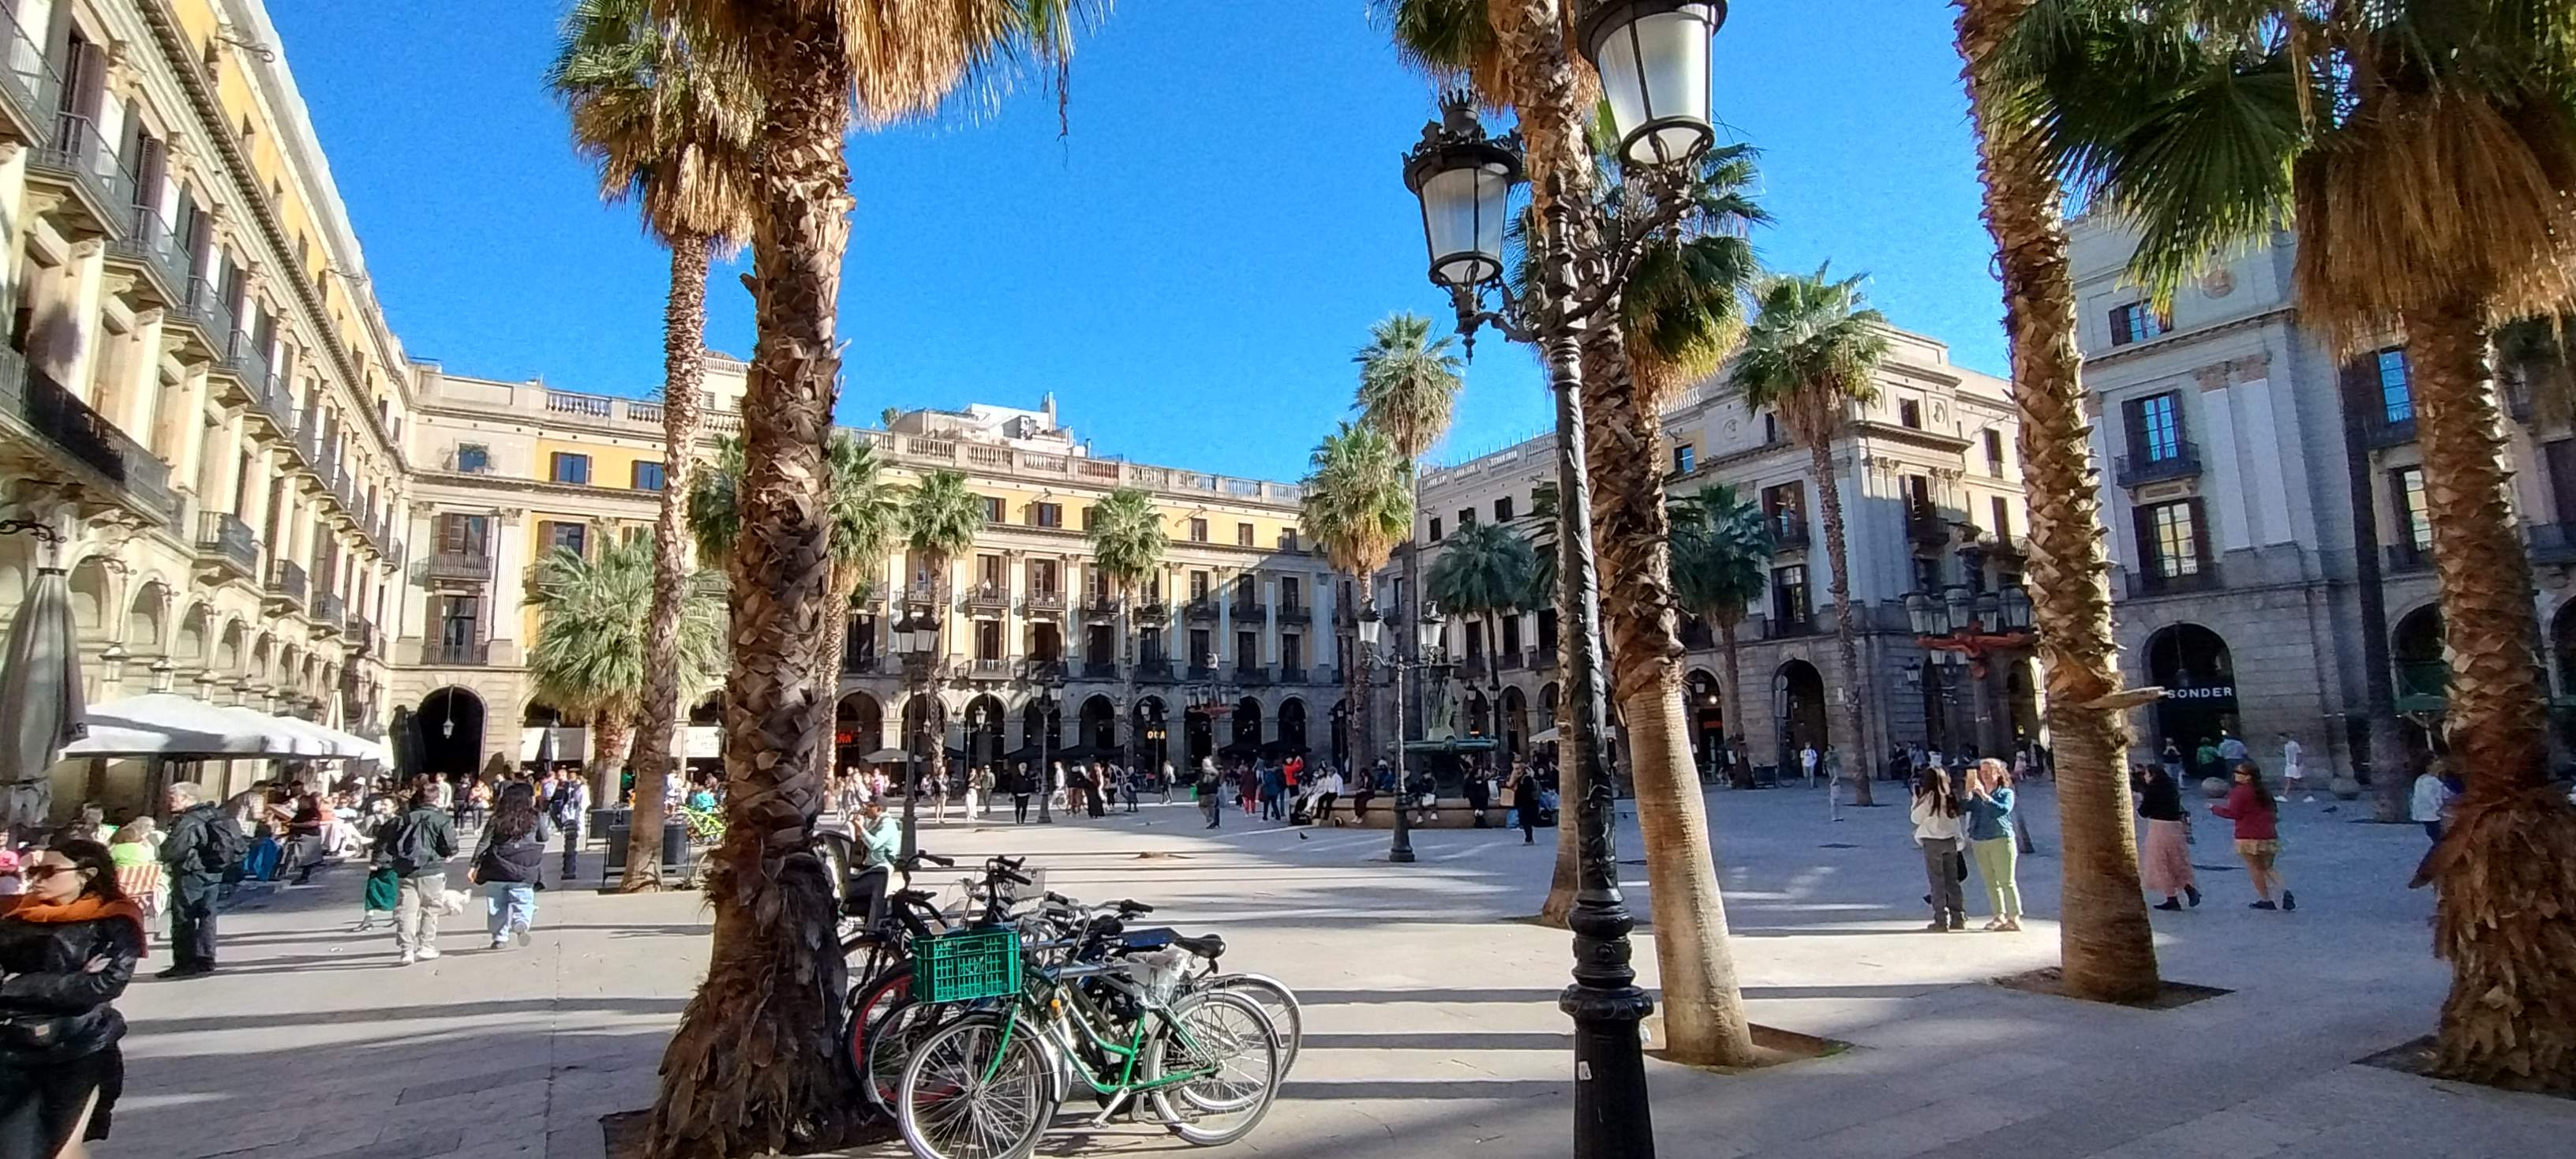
1432,1027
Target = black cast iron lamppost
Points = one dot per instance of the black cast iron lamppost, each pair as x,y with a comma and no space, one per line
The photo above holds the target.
1653,58
916,640
1050,709
1376,652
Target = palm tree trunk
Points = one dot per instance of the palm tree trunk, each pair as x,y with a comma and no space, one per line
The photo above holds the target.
1127,679
1704,1019
609,728
754,1067
1355,710
2389,784
1739,770
684,327
2104,942
1829,499
2506,868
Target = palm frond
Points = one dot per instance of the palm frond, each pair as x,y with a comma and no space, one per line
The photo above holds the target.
1721,553
1483,569
1358,499
1127,537
714,508
1409,383
941,517
669,119
588,655
1812,349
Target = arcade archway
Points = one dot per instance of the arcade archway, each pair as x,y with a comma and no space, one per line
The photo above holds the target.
2192,664
1798,703
450,721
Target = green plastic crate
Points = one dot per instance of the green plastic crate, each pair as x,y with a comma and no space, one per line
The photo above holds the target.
969,965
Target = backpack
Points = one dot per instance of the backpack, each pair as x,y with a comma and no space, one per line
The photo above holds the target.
226,844
559,805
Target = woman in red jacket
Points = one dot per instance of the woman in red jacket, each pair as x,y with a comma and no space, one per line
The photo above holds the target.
2258,834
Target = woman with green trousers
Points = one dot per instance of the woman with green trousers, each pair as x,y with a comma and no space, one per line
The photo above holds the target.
1990,837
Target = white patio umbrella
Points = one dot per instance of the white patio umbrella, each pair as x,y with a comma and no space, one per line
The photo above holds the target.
166,724
40,698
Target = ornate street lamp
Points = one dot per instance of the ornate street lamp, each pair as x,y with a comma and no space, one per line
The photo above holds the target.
1050,708
916,641
1653,57
2016,608
1990,613
1377,652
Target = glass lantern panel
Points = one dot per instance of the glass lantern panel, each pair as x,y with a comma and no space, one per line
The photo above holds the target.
1462,213
1657,69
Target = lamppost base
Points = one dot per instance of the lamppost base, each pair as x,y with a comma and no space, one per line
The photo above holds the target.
1401,855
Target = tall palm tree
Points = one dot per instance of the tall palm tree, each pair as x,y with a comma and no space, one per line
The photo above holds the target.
1408,389
669,123
591,654
1812,352
865,516
753,1067
1721,560
1356,506
2422,152
941,518
1127,542
1485,570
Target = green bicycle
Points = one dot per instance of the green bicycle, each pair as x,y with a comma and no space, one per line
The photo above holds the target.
988,1083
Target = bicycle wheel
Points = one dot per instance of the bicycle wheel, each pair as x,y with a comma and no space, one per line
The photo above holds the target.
870,1002
893,1040
1226,1035
978,1088
1276,1000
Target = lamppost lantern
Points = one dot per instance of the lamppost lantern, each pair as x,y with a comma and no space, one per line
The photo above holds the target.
1918,610
1653,58
2016,608
1464,180
1431,632
1958,607
1990,613
1372,628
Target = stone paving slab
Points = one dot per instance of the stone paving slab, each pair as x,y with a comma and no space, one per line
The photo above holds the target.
1431,1011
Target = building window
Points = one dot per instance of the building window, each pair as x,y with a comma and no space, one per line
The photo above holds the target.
1198,531
1247,650
1292,651
993,509
473,458
1685,457
1243,535
1770,429
1994,452
1789,594
1198,585
2172,539
1047,514
1288,539
1466,517
1435,529
2003,519
988,574
2137,322
988,639
1785,508
648,476
2396,387
1909,413
463,534
1202,649
2407,483
572,537
1042,578
2155,427
570,468
1503,509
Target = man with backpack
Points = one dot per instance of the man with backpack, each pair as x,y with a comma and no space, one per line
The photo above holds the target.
566,805
203,845
417,845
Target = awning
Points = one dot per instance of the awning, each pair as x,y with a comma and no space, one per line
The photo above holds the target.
40,698
166,724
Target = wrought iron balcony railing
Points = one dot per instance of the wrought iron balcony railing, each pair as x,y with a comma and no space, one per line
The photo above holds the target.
456,653
2179,459
222,538
286,581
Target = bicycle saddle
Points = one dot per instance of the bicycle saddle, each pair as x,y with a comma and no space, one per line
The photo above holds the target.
1209,946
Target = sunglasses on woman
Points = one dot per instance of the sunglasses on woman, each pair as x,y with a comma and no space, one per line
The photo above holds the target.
40,872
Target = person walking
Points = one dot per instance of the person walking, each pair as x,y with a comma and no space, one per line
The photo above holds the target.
1020,786
2294,775
1274,786
1211,788
2432,801
2257,815
416,846
2172,758
509,863
1990,835
69,945
1937,830
1164,786
1807,763
2164,851
205,844
1099,785
2206,761
1524,790
1833,784
979,793
382,890
568,805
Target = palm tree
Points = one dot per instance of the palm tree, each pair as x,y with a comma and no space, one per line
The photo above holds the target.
1356,506
941,517
865,515
1721,556
1811,354
590,654
669,124
753,1067
1408,388
2422,157
1127,541
1485,570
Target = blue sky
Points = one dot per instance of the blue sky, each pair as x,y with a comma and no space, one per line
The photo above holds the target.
1188,271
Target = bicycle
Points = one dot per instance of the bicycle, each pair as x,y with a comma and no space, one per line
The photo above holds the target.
884,1018
987,1084
1071,919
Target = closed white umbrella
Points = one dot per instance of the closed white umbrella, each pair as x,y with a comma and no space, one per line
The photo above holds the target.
40,698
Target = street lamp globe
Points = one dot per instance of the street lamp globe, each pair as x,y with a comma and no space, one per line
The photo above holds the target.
916,635
2016,608
1372,628
1990,613
1653,59
1429,634
1958,606
1464,180
1918,611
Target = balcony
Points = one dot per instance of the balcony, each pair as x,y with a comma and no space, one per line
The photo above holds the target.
922,593
1154,671
471,567
2144,583
138,479
1248,613
1044,670
239,357
1099,606
2402,557
1251,674
1292,674
1294,612
2178,460
1200,610
2552,542
362,636
993,598
286,583
1100,670
1045,603
1201,672
1511,661
855,662
145,251
1924,525
1153,612
988,668
225,542
75,163
327,612
1788,530
1476,667
1789,628
27,82
2386,429
456,653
